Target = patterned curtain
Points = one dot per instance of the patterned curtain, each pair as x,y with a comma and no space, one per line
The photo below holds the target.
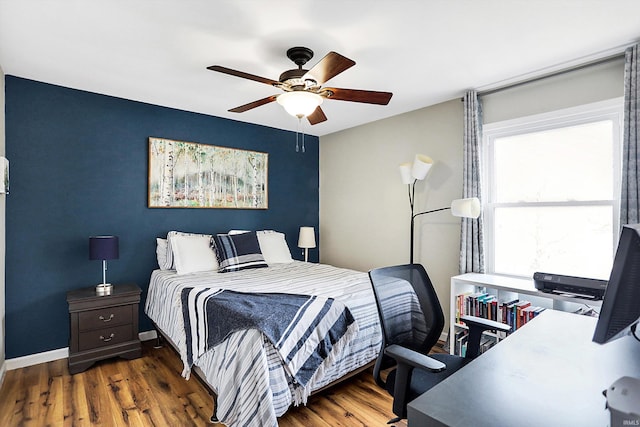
629,202
471,236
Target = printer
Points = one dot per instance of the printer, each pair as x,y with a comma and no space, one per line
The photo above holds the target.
579,287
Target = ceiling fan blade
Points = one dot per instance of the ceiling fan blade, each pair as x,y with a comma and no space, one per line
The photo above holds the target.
254,104
330,66
317,116
356,95
243,75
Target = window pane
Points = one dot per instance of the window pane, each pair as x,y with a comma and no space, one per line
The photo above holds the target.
574,241
569,163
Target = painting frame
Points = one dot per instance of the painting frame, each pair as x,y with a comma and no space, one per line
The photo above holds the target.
185,174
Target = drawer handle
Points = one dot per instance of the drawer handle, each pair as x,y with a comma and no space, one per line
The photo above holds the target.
107,339
101,317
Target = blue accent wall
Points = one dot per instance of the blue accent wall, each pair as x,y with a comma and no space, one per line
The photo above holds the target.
78,167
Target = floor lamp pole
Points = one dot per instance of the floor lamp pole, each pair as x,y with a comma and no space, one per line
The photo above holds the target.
412,188
412,192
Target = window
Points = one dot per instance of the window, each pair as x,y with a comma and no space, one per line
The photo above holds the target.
552,192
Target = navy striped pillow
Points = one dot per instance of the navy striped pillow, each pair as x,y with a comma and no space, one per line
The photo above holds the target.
237,251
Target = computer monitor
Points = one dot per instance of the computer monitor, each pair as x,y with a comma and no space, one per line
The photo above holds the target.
620,311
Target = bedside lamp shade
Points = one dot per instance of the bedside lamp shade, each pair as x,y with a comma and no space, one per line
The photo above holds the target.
306,240
103,248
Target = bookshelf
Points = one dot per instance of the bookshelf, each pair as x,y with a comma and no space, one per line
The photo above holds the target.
495,290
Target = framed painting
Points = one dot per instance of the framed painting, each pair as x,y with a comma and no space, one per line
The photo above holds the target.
191,175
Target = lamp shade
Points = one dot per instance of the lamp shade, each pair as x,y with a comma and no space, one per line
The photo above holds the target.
299,103
103,247
421,166
307,238
466,208
405,173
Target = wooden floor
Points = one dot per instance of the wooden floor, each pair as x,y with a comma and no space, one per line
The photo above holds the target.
149,391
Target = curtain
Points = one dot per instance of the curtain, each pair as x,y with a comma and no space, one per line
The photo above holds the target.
629,202
471,236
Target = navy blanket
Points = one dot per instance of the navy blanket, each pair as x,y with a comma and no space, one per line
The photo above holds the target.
307,331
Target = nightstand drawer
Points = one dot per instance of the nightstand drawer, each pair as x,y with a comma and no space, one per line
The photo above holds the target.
105,337
105,317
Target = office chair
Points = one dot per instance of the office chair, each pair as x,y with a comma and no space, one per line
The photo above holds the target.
412,320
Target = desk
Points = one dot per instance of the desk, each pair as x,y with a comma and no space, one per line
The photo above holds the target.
548,373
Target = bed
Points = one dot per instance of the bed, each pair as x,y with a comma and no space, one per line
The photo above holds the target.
246,373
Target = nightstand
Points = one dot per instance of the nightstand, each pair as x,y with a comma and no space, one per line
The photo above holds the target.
103,326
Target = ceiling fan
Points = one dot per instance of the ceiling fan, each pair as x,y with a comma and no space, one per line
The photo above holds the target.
303,91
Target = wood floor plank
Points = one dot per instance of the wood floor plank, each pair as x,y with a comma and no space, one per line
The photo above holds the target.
97,398
174,386
302,416
76,408
53,407
36,380
11,394
142,393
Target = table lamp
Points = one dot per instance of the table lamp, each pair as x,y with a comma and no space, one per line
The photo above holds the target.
306,240
103,248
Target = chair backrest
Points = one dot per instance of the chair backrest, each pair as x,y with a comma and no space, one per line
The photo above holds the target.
410,313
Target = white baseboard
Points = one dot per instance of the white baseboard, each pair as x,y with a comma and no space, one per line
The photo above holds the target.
51,355
34,359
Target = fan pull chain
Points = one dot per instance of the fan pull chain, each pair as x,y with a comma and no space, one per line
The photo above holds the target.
297,133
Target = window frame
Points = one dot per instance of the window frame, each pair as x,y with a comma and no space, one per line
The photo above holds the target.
611,109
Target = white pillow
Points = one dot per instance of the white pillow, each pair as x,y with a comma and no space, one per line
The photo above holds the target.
274,247
161,254
193,253
169,263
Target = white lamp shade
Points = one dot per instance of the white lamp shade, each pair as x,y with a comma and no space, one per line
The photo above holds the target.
307,238
405,173
299,103
421,166
466,208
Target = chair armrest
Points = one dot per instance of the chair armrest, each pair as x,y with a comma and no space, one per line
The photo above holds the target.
413,358
477,325
484,324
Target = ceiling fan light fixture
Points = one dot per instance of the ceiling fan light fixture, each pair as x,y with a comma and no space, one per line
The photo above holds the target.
299,103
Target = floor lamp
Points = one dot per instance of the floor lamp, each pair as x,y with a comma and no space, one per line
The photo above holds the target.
411,173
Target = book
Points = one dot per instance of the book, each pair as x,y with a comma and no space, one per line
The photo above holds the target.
518,320
504,310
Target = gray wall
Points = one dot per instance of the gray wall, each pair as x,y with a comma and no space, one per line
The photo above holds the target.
592,84
364,207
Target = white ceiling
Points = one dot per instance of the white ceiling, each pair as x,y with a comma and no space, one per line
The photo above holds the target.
424,51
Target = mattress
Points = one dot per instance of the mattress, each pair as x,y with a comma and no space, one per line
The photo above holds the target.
245,371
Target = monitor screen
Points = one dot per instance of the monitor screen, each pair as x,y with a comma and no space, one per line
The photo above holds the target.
620,311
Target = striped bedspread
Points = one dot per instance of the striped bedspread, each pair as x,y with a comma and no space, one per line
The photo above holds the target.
245,370
306,330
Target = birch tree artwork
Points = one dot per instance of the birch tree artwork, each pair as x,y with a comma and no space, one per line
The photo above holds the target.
191,175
